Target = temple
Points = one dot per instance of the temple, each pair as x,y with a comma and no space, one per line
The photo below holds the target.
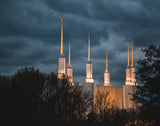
121,97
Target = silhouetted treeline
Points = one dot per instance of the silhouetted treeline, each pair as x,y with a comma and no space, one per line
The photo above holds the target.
31,97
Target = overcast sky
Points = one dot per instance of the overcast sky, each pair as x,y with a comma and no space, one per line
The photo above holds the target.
30,34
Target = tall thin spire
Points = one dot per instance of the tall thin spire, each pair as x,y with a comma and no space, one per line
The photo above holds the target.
69,62
128,55
89,78
132,54
106,61
106,73
89,58
61,35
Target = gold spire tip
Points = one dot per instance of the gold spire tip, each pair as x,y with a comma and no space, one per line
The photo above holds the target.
89,58
128,55
61,35
106,61
132,54
69,64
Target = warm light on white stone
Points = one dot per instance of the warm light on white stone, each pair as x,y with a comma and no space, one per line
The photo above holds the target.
128,76
61,65
89,78
133,74
61,68
70,74
88,70
107,79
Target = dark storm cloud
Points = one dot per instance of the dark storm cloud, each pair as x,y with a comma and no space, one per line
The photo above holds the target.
30,34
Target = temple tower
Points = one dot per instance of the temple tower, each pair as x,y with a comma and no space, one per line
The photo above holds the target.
130,85
69,68
133,70
107,74
89,78
89,87
61,59
128,71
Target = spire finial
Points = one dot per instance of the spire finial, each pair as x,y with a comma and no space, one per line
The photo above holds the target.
89,58
69,64
132,54
61,35
106,61
128,55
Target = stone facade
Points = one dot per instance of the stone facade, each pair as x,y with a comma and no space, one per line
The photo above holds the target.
61,67
128,76
70,74
114,94
119,97
89,78
128,91
90,89
107,79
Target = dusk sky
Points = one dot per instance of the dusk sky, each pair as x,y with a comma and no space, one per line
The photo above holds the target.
30,34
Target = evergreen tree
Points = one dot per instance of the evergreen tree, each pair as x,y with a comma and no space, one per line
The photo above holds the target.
148,94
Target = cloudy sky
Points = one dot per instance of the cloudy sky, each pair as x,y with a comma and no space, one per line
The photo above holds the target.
30,34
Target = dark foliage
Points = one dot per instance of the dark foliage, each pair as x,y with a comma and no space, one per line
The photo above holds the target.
148,94
30,97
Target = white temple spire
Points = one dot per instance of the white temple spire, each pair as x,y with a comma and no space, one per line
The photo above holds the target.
89,78
89,49
107,74
69,68
61,60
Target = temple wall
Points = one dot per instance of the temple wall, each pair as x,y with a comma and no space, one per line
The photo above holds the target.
70,74
61,65
128,91
107,79
90,90
115,94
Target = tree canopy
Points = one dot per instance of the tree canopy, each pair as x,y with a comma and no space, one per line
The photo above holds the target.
148,94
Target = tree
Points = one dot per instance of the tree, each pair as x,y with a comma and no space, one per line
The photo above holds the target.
68,101
48,95
103,105
5,88
148,94
27,85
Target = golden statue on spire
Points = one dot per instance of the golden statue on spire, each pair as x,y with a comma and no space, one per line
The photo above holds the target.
61,19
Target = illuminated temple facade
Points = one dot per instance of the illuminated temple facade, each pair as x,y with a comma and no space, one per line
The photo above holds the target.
121,97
